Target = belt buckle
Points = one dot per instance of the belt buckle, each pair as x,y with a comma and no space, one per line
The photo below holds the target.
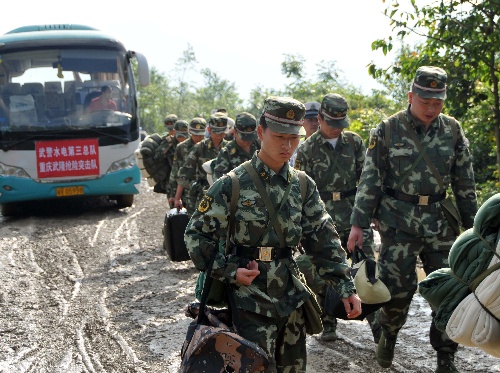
423,200
336,196
265,253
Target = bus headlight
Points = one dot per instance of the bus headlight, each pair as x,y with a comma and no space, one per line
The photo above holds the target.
13,171
123,164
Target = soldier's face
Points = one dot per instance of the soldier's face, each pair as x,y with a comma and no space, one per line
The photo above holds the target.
425,109
276,148
329,132
197,138
311,125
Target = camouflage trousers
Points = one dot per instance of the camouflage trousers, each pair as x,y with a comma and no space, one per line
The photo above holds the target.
284,339
399,252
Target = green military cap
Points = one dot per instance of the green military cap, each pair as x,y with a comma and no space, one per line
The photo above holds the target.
430,82
246,126
181,125
218,122
181,128
197,126
169,121
334,111
284,114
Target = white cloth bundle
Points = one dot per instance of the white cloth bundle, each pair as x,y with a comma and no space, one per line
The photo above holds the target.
470,324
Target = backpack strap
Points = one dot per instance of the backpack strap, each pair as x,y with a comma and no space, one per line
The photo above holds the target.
235,191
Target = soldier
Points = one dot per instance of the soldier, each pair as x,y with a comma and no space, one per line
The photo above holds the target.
169,121
192,174
196,132
310,125
268,294
240,149
334,158
413,159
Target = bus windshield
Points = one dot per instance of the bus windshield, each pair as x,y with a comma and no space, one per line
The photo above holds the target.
64,89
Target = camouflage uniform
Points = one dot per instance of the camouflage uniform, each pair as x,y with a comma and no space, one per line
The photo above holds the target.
410,230
316,156
232,155
192,175
181,152
269,309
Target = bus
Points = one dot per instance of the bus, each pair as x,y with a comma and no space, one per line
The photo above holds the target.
69,118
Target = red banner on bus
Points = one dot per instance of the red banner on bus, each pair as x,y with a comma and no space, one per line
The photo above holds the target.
62,158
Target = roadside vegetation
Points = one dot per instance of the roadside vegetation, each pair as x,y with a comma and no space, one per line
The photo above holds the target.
459,35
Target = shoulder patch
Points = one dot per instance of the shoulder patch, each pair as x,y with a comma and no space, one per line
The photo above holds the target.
205,203
373,141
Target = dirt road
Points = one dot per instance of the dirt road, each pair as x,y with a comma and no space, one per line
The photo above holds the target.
85,287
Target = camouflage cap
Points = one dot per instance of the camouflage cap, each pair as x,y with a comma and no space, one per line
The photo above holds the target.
170,118
218,122
334,111
430,82
181,125
312,109
197,126
284,114
181,128
246,126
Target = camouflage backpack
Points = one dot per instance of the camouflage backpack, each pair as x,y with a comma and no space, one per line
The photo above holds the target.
153,150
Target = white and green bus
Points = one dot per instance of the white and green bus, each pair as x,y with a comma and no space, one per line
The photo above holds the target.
59,138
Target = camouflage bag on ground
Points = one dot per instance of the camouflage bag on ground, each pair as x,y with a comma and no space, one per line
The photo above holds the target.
214,346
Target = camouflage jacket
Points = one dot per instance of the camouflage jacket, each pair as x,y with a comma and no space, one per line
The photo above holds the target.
385,167
316,157
181,152
192,169
231,156
168,152
276,292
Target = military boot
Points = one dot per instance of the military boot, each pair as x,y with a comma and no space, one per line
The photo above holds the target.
445,363
385,351
329,331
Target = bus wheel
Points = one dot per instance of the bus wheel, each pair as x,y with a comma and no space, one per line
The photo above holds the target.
124,200
9,209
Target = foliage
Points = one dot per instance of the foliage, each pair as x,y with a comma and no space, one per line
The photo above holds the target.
462,37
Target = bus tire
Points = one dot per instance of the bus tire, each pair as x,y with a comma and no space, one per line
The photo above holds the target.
124,200
9,209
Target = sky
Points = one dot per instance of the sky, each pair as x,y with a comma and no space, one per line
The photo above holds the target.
243,42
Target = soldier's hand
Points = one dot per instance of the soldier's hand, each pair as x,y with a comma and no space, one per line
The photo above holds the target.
171,202
352,306
245,276
178,203
355,238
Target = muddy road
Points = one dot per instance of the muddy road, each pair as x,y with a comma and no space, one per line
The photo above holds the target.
85,287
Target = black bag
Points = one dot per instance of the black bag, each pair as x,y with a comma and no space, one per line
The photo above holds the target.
213,346
174,227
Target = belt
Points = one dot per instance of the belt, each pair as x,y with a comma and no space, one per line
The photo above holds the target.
421,200
263,253
337,196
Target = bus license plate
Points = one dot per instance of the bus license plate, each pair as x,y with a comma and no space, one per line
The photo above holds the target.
69,191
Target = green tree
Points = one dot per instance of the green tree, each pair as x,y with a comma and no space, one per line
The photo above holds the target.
463,37
155,101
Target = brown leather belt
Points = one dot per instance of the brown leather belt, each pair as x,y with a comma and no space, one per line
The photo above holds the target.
337,196
421,200
263,253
